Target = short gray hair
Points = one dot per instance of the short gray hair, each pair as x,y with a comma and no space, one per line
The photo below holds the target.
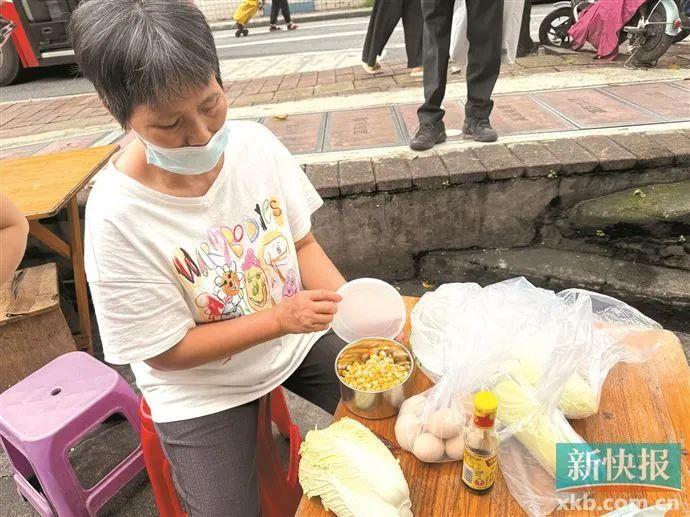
142,52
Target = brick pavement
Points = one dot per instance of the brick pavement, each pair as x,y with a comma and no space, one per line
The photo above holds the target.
550,112
83,111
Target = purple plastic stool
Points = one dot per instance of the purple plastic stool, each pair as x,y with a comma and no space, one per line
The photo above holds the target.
46,414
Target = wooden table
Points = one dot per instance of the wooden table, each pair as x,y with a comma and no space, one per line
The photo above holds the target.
43,185
639,403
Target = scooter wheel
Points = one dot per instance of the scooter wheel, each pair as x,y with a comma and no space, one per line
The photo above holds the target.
245,32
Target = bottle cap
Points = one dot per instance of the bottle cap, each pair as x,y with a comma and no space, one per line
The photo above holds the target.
485,403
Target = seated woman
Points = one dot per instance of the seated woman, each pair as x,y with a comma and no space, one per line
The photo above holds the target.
204,273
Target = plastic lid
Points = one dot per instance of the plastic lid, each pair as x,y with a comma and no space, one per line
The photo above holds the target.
485,403
369,308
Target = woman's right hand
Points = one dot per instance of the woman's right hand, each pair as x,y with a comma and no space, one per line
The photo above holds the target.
307,311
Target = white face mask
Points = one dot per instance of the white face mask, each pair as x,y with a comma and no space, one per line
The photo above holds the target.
190,160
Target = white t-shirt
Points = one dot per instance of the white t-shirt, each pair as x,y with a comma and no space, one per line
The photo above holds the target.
158,265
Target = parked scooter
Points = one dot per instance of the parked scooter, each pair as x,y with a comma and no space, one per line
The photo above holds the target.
653,28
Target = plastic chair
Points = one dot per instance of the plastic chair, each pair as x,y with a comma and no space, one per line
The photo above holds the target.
279,491
46,414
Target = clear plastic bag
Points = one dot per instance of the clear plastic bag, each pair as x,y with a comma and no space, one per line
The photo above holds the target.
540,352
616,332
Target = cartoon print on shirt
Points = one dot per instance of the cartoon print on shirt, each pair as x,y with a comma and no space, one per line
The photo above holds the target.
212,307
241,266
256,282
290,287
230,284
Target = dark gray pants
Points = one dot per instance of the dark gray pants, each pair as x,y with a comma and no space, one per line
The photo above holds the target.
484,32
278,6
212,458
384,18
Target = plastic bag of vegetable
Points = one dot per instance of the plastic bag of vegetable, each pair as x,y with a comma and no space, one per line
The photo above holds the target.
353,472
617,333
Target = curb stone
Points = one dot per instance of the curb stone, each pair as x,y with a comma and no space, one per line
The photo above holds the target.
610,155
392,174
537,159
648,152
498,162
428,172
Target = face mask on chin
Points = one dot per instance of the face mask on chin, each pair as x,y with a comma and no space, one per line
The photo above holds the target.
190,160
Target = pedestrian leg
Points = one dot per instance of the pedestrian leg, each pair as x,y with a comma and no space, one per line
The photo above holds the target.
438,19
275,9
384,17
485,35
286,12
413,25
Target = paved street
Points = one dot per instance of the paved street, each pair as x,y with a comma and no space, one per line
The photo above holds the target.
315,46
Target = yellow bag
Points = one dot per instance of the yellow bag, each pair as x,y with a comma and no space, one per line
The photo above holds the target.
245,11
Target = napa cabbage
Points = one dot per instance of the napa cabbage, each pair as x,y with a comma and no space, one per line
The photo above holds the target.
353,472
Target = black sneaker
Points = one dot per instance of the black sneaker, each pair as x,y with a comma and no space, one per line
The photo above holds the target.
479,130
428,135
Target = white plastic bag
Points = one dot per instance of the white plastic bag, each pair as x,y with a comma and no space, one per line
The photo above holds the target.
616,333
512,19
533,348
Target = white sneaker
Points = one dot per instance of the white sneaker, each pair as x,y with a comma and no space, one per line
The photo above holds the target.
372,70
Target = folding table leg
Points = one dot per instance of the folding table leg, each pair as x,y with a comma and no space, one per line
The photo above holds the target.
85,339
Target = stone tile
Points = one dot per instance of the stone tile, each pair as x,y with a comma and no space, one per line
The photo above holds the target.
428,172
500,163
20,152
648,152
68,144
307,80
464,167
661,98
299,133
611,156
356,177
329,89
539,61
590,108
683,84
453,119
392,174
573,157
677,144
536,158
521,114
362,128
260,98
324,177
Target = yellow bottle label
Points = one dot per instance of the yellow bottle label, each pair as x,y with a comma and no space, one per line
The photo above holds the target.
479,472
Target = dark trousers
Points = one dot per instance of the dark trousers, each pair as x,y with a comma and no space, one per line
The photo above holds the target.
212,458
278,6
384,18
484,32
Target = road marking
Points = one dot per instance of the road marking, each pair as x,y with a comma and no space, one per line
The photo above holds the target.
231,33
298,38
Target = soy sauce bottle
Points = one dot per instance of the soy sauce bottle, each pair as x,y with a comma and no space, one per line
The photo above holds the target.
481,445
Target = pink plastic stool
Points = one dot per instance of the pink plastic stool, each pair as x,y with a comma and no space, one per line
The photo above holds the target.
46,414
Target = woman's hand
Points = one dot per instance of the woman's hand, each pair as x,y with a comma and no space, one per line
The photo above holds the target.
306,311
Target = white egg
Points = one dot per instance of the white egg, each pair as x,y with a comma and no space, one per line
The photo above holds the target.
445,423
455,447
428,448
414,405
406,430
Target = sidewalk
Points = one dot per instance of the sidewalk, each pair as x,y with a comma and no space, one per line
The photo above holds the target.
31,124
